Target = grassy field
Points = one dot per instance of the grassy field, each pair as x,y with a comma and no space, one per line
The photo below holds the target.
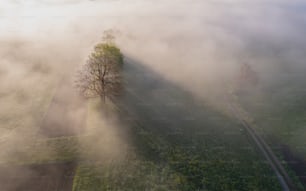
212,161
279,113
183,141
158,137
21,113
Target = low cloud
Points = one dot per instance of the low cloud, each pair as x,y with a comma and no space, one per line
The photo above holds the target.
199,45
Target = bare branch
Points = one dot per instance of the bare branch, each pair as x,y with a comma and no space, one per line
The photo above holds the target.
100,76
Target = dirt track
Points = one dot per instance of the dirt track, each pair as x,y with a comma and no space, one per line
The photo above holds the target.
276,165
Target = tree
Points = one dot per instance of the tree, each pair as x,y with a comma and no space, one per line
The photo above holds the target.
247,75
101,75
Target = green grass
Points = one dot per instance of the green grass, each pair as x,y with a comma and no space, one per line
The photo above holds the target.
279,113
131,174
187,146
208,153
198,147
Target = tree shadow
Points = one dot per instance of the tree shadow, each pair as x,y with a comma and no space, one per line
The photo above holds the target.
164,107
163,114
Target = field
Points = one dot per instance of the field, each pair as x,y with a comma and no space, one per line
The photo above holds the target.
279,112
48,177
183,143
156,137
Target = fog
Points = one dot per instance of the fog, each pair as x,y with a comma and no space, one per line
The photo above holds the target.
192,42
198,45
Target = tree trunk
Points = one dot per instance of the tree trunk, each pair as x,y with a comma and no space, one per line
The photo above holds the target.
103,92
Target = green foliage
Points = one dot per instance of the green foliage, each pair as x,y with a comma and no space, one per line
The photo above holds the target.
101,75
108,52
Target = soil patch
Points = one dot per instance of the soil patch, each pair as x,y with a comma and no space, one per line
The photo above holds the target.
43,177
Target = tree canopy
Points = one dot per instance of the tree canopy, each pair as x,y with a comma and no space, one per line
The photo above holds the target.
101,75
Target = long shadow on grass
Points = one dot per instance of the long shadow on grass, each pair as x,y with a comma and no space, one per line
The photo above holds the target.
170,126
168,111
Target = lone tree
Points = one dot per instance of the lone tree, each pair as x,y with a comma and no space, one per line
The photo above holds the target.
101,75
247,75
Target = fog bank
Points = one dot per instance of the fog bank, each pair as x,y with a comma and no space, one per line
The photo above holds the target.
199,45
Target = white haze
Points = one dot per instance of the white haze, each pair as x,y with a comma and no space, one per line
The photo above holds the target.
196,44
193,42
